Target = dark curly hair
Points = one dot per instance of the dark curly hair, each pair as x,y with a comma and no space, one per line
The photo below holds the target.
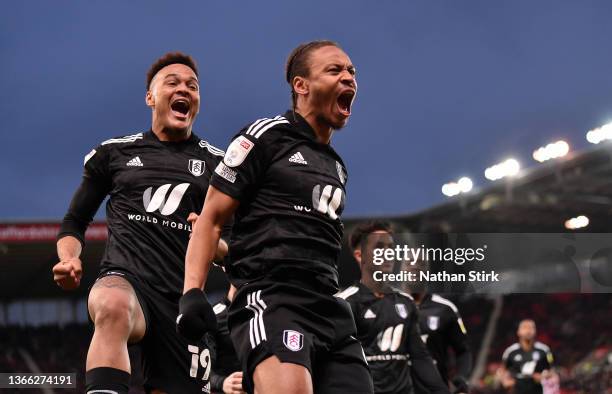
168,59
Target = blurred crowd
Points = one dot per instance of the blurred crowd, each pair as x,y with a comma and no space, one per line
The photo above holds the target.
577,327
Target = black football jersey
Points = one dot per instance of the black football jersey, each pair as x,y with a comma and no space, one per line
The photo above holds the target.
291,190
442,327
388,330
153,186
522,364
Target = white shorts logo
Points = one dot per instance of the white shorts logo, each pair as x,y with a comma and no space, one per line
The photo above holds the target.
159,201
293,340
238,151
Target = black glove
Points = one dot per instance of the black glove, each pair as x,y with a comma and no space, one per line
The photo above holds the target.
196,316
461,385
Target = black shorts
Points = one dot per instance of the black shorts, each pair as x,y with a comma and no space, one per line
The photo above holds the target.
169,363
299,325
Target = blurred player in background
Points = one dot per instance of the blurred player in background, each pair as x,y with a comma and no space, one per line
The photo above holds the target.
526,363
226,374
442,328
387,320
440,323
286,185
155,179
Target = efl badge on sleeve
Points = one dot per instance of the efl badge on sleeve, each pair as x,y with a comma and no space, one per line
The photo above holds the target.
433,322
196,167
293,340
238,151
401,310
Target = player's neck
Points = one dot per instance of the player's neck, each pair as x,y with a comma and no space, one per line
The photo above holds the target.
377,288
170,135
526,344
323,131
418,297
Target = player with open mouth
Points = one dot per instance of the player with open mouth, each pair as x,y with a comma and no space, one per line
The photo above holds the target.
285,186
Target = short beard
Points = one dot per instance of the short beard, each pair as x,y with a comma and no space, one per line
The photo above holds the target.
176,133
324,120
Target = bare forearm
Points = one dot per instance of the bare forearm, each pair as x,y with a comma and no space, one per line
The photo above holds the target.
218,209
200,253
68,247
222,250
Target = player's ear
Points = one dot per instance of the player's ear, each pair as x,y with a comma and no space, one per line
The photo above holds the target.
150,99
300,85
357,255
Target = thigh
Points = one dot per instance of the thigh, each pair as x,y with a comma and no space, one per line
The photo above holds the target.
172,364
113,297
295,378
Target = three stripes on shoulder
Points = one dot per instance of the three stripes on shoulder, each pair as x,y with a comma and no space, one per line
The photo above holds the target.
260,126
212,149
127,138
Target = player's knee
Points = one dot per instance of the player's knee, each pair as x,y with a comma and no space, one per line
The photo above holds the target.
114,311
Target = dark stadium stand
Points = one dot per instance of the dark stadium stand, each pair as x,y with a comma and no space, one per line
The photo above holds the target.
575,326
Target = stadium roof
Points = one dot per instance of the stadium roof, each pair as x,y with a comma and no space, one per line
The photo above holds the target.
538,199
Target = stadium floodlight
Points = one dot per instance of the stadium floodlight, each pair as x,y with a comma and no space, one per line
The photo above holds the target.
551,151
463,185
600,134
504,169
577,222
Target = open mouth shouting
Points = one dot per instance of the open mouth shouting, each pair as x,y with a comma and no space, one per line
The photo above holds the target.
180,108
345,101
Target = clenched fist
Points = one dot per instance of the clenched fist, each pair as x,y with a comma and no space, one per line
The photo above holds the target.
67,273
233,384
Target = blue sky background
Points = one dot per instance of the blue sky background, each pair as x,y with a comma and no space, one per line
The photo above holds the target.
446,88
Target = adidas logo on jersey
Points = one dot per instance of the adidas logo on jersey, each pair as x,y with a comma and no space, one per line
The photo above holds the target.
369,314
135,162
298,158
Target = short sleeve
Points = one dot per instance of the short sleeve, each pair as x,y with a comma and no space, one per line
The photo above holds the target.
96,165
244,164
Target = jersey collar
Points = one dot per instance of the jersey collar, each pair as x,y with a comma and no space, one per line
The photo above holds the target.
367,291
300,125
150,135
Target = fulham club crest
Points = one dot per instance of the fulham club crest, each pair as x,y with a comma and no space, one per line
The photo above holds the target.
401,310
293,340
196,167
433,322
